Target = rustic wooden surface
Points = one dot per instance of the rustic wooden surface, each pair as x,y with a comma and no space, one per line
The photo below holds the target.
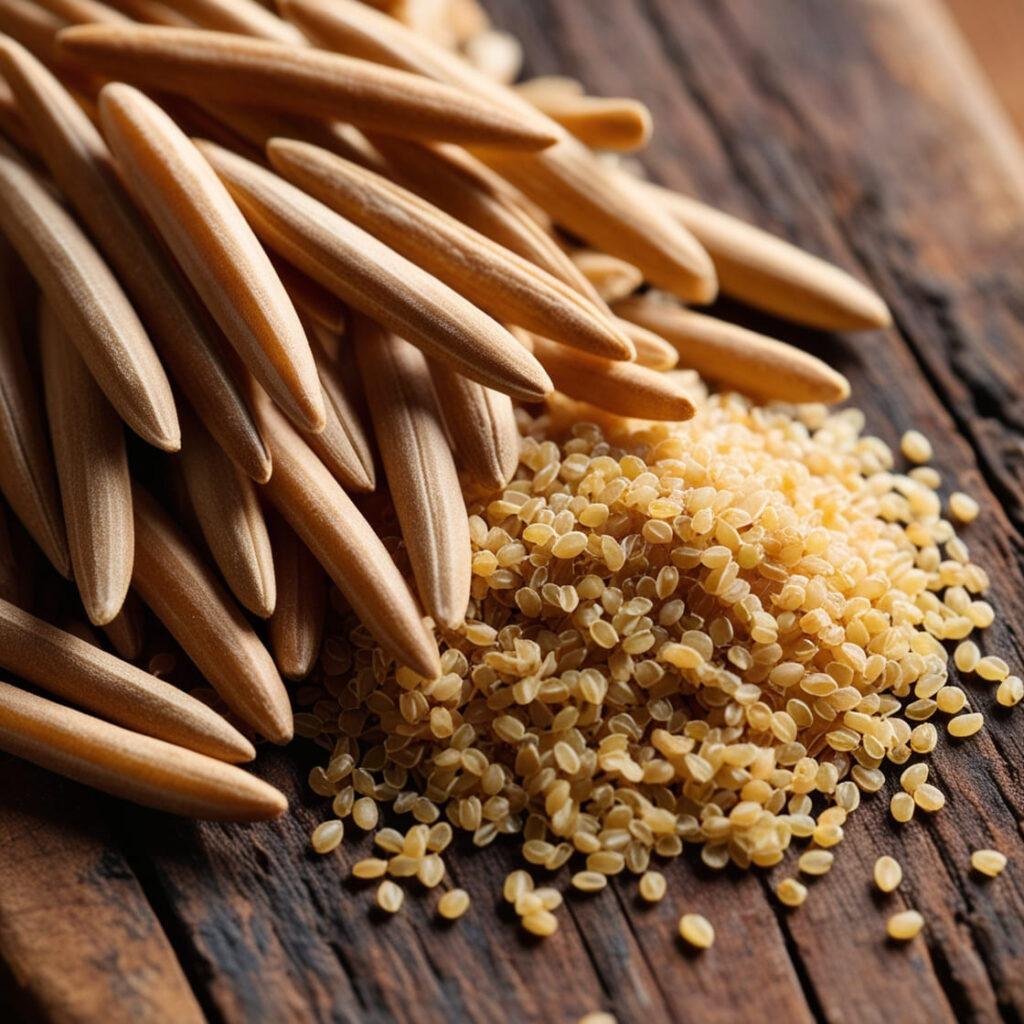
851,127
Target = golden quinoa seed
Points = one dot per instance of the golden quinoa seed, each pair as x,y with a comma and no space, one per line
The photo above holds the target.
390,897
370,867
988,862
916,447
652,886
963,507
888,874
791,893
540,922
328,836
904,925
725,633
453,904
697,931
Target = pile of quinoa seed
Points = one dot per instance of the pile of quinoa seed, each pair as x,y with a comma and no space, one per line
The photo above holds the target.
722,633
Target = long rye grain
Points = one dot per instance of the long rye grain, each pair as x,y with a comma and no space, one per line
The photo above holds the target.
296,629
738,357
83,168
28,478
200,614
88,676
240,69
94,310
376,280
565,179
216,248
495,279
129,765
335,531
230,517
420,469
92,469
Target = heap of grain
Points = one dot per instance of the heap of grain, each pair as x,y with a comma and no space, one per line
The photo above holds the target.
712,632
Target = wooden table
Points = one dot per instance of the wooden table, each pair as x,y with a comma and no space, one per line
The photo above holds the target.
855,128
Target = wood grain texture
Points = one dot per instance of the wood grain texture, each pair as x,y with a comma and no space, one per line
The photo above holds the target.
847,128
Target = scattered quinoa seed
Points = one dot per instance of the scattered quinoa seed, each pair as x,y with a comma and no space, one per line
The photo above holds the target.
963,507
389,896
652,886
790,892
988,862
904,925
697,931
328,836
888,874
915,446
453,904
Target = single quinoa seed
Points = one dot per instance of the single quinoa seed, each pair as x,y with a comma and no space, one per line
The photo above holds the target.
904,925
370,867
888,874
916,447
652,886
328,836
453,904
389,897
697,931
589,881
929,798
540,922
963,507
901,807
816,862
988,862
790,892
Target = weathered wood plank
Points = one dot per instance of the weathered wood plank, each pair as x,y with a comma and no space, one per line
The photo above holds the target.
78,936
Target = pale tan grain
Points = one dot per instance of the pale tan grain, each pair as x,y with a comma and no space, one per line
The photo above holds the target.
738,357
420,469
238,69
129,765
614,123
378,281
199,613
323,516
90,303
92,468
216,247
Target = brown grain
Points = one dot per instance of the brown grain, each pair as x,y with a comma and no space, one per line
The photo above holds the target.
128,765
228,510
377,281
92,468
613,123
89,301
319,511
86,675
496,279
737,357
239,69
216,248
296,628
199,613
420,469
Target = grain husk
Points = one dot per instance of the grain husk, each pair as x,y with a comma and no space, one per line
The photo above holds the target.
613,279
420,469
377,281
619,124
468,190
216,248
244,17
92,468
84,12
228,510
27,475
296,628
82,166
88,676
626,389
230,68
481,425
566,180
496,279
93,309
737,357
343,542
769,273
191,602
12,124
126,764
152,12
